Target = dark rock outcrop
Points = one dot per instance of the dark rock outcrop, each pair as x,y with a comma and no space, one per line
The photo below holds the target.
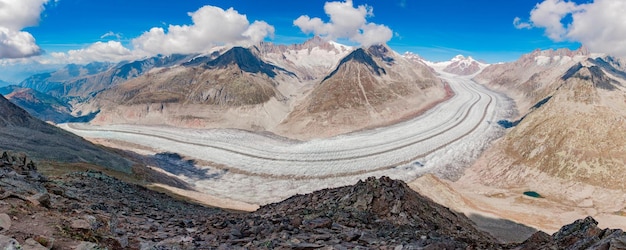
375,214
582,234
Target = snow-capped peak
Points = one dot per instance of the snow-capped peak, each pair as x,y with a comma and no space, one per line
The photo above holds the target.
412,56
340,47
459,58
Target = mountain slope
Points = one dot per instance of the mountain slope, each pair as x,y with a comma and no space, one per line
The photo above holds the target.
53,82
40,105
91,210
530,79
310,60
82,82
231,80
368,88
23,133
204,92
570,147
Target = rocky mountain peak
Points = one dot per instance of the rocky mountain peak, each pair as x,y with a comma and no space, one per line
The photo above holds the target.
383,52
382,203
461,65
412,56
590,73
359,56
244,59
460,58
315,41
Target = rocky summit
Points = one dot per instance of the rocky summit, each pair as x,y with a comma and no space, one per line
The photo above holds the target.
89,210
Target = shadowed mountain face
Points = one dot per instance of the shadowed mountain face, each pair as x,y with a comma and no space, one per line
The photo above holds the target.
593,74
23,133
361,57
245,60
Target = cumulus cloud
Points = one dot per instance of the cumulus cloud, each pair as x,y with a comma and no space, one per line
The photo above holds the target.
15,16
211,26
111,51
346,21
17,44
599,25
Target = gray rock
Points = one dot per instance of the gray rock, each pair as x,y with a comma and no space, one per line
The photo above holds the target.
85,245
5,222
8,243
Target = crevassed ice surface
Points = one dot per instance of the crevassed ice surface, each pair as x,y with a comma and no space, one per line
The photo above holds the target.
264,169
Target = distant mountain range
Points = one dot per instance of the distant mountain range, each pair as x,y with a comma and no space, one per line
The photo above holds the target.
290,90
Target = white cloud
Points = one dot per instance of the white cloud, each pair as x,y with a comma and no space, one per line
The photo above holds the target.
17,44
211,26
111,51
118,36
599,25
14,16
517,22
346,21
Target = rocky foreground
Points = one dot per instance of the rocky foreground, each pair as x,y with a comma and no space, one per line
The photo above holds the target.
89,210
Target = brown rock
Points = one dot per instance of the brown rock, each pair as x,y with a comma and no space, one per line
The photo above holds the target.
31,244
80,224
40,199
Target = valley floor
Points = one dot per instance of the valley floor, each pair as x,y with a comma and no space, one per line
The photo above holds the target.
259,169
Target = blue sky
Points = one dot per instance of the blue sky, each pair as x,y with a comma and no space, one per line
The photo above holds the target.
436,30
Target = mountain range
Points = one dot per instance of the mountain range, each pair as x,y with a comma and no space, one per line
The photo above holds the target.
294,91
564,141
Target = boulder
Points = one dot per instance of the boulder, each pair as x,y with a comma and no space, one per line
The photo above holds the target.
5,222
8,243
